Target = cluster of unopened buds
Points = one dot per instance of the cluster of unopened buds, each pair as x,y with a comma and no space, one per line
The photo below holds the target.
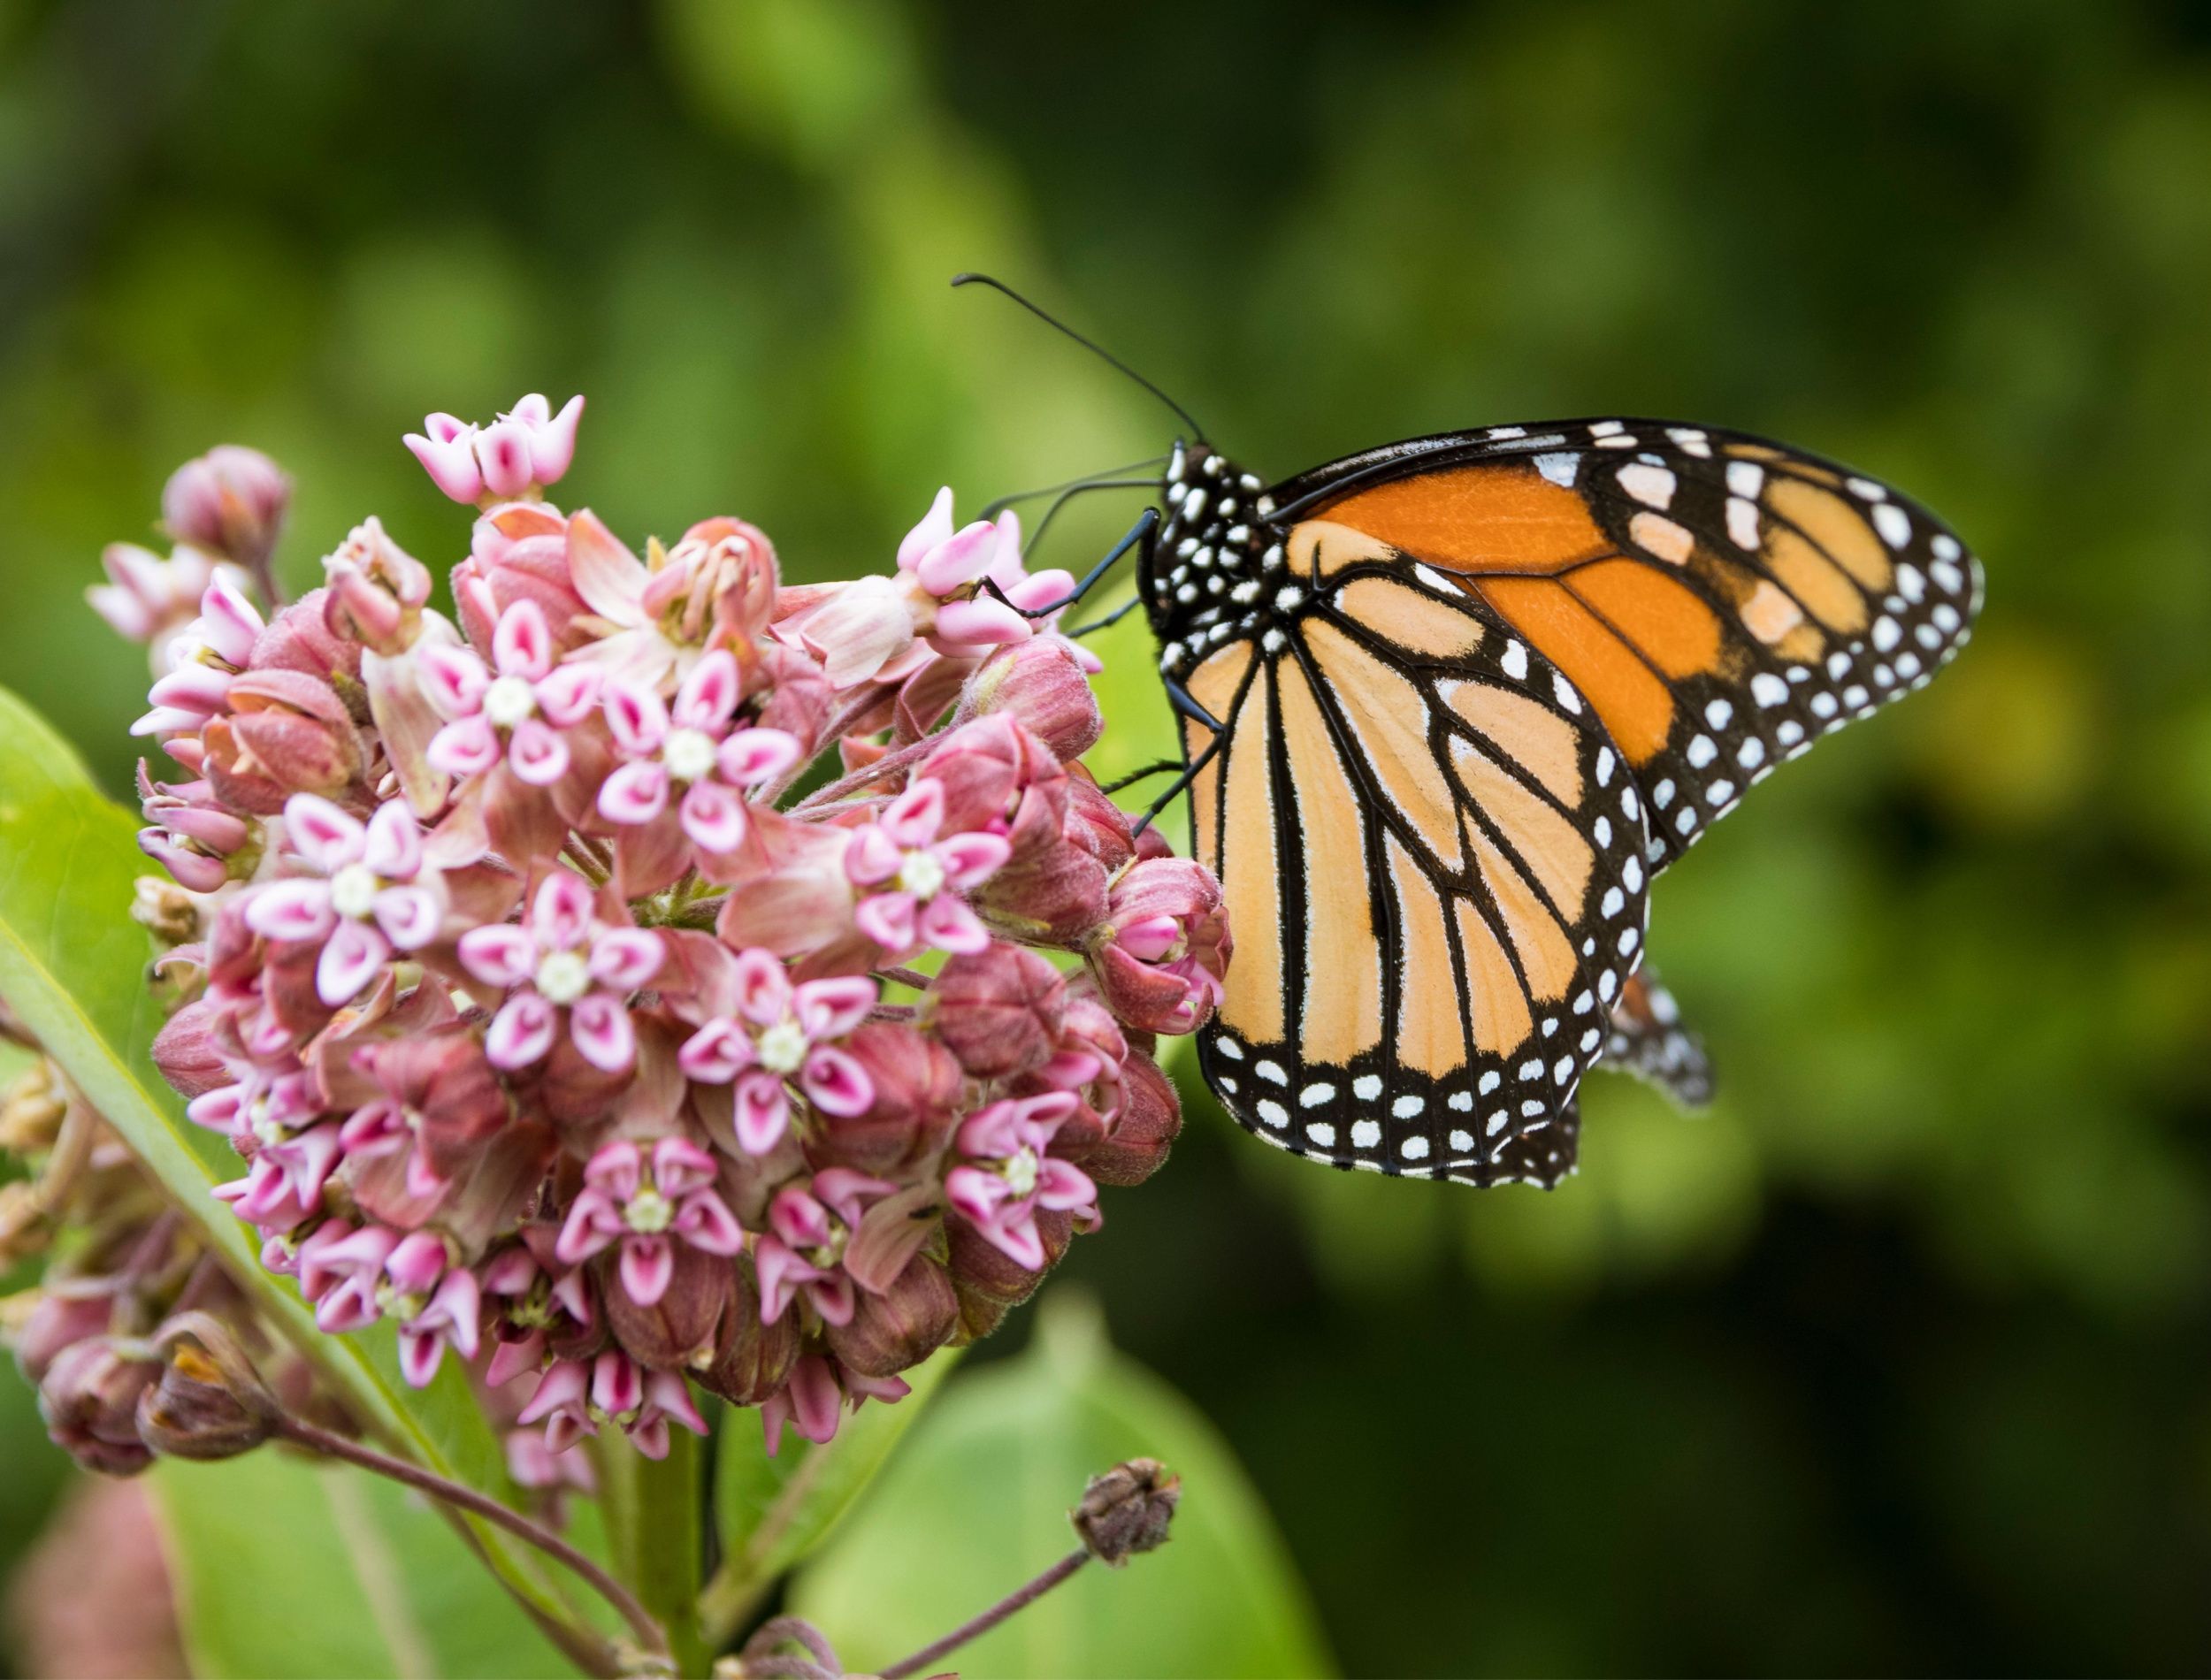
570,1012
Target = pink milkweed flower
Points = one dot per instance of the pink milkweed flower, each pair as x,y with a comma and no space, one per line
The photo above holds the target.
811,1400
562,959
528,446
647,1214
1006,1175
1161,954
435,1303
572,1399
202,662
918,877
860,632
371,895
802,1251
518,712
540,1304
692,746
715,588
149,599
779,1033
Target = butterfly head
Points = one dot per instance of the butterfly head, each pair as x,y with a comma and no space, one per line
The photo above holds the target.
1212,571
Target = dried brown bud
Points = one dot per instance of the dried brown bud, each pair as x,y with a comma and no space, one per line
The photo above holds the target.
683,1328
195,1411
901,1327
752,1359
1127,1510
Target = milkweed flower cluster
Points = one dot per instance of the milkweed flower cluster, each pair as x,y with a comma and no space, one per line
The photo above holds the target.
655,977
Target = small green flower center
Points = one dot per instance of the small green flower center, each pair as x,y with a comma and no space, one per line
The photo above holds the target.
562,977
508,701
257,1118
353,891
921,875
396,1304
1020,1171
782,1048
689,754
649,1212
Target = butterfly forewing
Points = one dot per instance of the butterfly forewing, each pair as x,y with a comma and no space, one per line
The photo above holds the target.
1722,602
1431,858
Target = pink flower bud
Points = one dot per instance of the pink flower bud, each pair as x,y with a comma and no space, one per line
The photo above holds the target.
916,1081
984,768
753,1360
230,502
1161,954
90,1400
300,638
998,1011
902,1325
1040,683
682,1328
377,590
1137,1142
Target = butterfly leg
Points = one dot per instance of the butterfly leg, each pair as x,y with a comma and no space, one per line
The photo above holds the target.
1139,532
1191,772
1109,621
1144,774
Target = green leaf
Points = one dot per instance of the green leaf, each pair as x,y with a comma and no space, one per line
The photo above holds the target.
73,969
978,1502
776,1511
286,1567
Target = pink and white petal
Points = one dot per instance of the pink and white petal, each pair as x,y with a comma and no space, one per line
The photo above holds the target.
568,695
1017,1239
500,955
717,1053
706,1223
780,1273
947,924
750,756
913,819
934,528
552,441
760,986
959,560
522,641
763,1113
355,950
409,916
453,678
708,697
392,844
466,746
648,1265
291,911
328,837
975,1192
624,959
560,913
970,859
1063,1186
502,450
833,1298
981,622
871,857
594,1222
831,1008
635,793
889,918
713,817
837,1083
598,1026
522,1032
1037,591
635,717
451,464
537,754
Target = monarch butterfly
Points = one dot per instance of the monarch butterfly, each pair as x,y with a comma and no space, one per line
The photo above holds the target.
1448,705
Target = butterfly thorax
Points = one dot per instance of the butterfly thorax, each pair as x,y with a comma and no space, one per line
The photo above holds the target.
1214,570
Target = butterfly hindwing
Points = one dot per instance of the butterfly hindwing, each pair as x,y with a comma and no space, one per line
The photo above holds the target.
1432,855
1647,1039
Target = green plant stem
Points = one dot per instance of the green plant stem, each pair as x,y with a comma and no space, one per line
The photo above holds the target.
651,1508
1020,1599
334,1446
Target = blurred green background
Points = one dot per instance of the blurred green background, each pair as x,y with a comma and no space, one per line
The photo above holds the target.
1899,1361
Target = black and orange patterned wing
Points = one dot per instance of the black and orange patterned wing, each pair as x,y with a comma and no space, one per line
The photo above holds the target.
1720,600
1432,857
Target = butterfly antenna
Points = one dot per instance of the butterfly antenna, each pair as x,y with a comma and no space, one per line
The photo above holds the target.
1105,355
1004,502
